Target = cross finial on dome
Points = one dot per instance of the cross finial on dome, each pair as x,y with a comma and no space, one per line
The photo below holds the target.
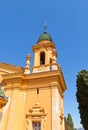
45,26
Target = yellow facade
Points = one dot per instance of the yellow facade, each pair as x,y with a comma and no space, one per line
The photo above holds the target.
35,95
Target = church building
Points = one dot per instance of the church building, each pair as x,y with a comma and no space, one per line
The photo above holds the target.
32,98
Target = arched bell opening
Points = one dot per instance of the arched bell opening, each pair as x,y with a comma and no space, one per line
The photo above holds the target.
42,58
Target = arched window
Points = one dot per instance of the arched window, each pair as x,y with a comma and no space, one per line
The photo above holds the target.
42,58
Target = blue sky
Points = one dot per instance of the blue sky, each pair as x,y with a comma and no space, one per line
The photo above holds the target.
21,23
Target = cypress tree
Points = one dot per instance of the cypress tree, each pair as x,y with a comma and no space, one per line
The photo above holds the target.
70,122
82,96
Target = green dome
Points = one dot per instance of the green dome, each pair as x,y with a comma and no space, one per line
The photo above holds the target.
45,36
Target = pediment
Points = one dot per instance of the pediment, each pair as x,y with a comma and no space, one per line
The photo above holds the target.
8,68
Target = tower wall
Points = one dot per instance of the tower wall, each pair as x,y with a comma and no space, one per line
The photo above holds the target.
44,101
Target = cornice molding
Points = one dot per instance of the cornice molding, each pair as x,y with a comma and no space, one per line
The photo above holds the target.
7,68
29,81
44,44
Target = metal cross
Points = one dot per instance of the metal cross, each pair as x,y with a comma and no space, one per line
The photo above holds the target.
45,26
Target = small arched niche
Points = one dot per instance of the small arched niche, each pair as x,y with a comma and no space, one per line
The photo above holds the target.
42,58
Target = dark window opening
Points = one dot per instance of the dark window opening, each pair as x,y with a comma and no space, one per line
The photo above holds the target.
36,125
37,90
42,58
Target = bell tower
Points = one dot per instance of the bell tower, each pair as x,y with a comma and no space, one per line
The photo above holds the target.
44,54
35,95
51,84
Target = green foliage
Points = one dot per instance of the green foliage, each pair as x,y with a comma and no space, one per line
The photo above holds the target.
70,122
82,96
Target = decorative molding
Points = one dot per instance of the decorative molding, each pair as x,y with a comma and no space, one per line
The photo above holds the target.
61,115
36,111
